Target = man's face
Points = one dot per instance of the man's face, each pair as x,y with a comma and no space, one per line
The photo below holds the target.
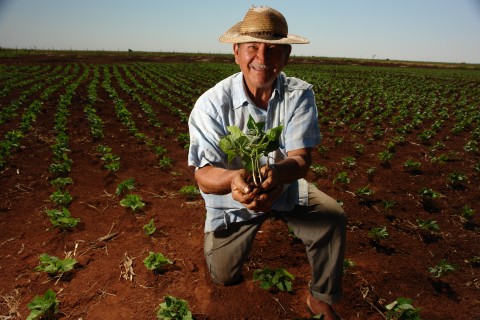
261,63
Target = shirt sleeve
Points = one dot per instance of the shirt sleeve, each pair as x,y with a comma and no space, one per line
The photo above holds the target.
205,132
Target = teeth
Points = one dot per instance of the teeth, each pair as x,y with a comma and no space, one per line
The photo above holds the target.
259,66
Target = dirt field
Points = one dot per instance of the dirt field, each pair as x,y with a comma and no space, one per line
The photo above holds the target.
397,267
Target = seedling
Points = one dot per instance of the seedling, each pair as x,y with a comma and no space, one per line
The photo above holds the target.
165,163
318,169
457,180
467,214
111,161
61,169
429,225
365,193
349,162
412,166
342,177
371,171
132,201
402,309
156,262
441,269
428,229
359,148
190,192
347,264
173,309
428,199
55,266
62,218
150,228
43,307
385,157
125,185
378,233
60,183
185,139
279,278
61,198
250,147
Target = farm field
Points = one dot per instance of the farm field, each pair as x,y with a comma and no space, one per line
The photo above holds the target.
400,152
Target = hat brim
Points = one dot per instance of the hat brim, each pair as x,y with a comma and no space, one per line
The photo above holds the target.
233,35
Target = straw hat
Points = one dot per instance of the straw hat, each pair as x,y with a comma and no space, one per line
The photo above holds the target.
262,24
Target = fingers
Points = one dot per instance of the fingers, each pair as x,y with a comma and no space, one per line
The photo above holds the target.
258,199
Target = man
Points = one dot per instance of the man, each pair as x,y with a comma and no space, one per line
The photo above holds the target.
235,211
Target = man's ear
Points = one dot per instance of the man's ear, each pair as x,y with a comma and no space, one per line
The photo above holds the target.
288,51
236,46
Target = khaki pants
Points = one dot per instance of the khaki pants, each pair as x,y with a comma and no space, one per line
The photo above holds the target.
322,228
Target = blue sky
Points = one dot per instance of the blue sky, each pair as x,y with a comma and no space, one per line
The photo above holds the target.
416,30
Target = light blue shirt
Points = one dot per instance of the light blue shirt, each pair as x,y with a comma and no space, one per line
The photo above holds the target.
292,105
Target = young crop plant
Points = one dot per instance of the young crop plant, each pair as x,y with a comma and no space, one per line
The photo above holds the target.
156,262
319,170
441,269
150,228
412,166
111,162
133,202
61,198
347,264
457,180
55,266
277,278
385,157
471,146
43,307
165,163
426,136
359,148
428,199
365,194
62,218
402,309
124,186
378,233
342,177
371,172
428,230
174,309
190,192
184,138
467,214
251,147
349,162
60,182
429,225
61,169
387,204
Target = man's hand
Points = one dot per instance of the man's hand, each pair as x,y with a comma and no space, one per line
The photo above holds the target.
258,199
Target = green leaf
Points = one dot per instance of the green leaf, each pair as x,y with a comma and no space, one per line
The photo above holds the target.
43,307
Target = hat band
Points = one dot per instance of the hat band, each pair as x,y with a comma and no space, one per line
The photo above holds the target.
264,35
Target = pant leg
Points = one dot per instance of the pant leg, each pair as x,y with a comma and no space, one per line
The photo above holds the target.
227,250
321,225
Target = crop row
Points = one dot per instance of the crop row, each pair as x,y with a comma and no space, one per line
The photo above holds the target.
373,115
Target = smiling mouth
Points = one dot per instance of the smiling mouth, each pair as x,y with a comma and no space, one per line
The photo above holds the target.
259,67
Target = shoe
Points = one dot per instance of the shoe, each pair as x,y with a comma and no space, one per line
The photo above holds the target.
319,308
